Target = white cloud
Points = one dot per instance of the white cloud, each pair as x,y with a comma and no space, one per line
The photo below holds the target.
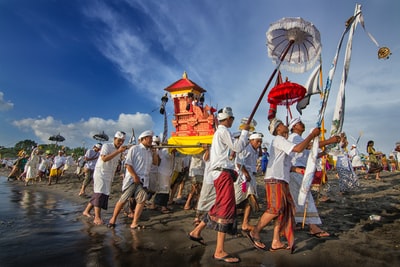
80,132
5,105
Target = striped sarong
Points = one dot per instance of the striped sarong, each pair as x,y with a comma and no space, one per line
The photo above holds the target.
279,201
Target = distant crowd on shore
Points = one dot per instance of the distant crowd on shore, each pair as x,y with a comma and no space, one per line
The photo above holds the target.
154,177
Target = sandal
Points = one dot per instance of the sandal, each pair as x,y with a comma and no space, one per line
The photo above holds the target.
165,210
321,234
199,240
228,259
254,242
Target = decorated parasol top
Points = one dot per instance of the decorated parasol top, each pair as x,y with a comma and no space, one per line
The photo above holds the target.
301,37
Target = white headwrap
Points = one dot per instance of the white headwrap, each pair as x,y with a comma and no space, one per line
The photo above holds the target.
120,135
225,113
256,136
145,133
293,122
98,145
273,125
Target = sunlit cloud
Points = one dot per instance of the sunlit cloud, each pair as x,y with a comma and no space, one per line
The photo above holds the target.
3,104
76,133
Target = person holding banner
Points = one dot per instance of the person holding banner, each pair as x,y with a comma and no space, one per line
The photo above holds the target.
279,201
299,163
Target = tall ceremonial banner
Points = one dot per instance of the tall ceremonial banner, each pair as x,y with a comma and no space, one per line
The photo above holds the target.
312,157
383,53
338,114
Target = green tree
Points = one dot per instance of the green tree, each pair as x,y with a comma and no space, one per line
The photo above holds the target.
25,145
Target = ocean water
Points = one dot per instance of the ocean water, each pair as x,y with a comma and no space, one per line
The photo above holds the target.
43,229
39,229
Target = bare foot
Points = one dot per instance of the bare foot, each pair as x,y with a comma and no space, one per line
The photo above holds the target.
87,214
318,232
247,227
98,221
277,245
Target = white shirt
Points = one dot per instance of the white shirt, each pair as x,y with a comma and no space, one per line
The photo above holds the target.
196,165
58,162
167,162
248,158
222,144
90,154
280,160
104,172
298,159
140,159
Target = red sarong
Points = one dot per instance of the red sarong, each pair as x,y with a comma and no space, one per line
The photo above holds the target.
223,213
280,202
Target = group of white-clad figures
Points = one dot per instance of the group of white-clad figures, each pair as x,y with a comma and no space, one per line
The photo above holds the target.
223,178
39,166
224,182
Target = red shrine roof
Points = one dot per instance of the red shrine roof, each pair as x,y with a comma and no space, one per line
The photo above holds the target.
184,83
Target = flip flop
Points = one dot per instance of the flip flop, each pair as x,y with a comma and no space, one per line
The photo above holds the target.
228,259
199,240
111,225
280,248
321,234
254,241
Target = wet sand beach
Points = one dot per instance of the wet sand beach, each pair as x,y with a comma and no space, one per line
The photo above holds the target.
43,225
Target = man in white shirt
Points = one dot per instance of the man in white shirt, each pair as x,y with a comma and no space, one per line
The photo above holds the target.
222,216
103,176
280,205
299,163
57,167
246,184
91,157
136,180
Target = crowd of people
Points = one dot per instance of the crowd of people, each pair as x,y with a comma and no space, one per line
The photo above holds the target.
222,177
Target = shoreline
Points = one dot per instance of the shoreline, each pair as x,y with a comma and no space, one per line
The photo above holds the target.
355,239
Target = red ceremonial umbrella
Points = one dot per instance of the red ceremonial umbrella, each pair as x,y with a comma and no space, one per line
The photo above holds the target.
285,94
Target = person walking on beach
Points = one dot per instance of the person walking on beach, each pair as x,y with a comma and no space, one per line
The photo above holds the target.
44,166
207,192
18,166
57,167
69,162
196,173
348,179
165,170
153,176
181,172
136,180
246,184
279,201
32,166
355,159
103,176
373,159
222,215
299,163
91,157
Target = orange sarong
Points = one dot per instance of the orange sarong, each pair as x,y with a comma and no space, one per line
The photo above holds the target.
280,202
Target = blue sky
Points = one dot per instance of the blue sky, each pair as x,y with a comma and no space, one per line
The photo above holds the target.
81,67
